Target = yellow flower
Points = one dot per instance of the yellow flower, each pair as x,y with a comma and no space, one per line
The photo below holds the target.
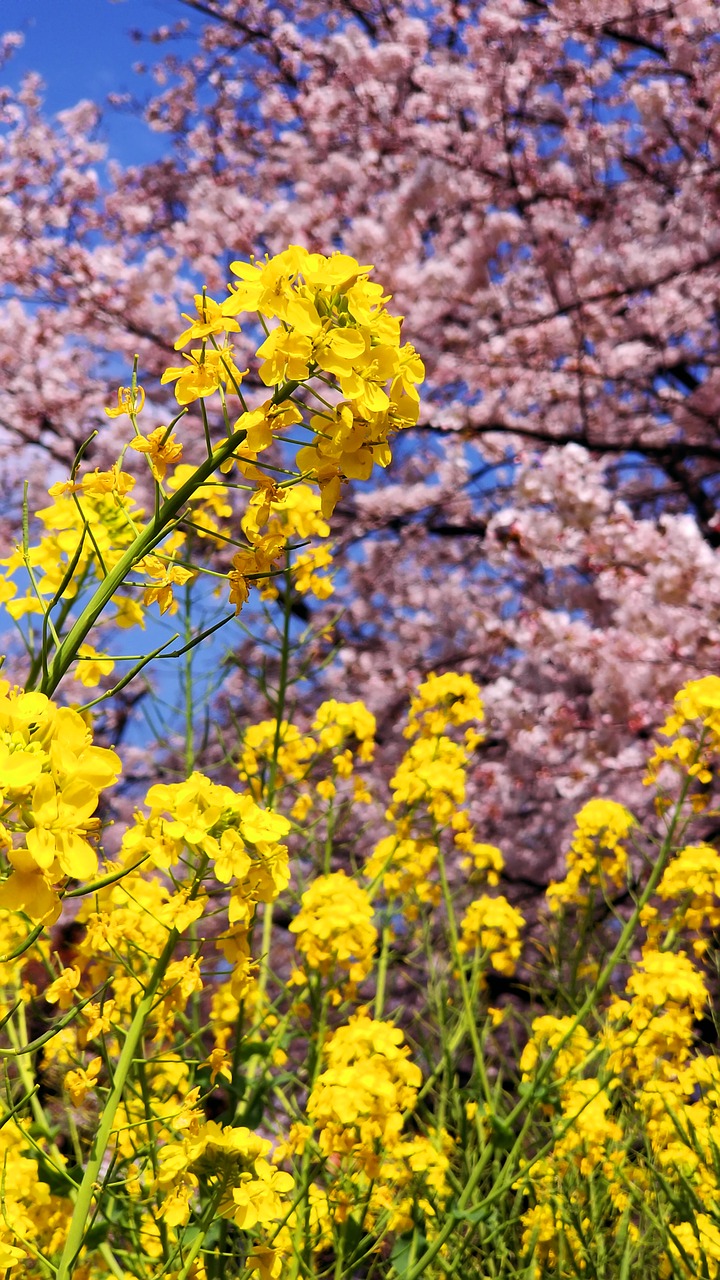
254,563
80,1083
92,666
61,818
597,858
255,1191
269,286
546,1034
661,977
161,448
62,990
130,400
166,575
29,891
97,483
206,370
129,612
284,354
220,1064
650,1034
406,866
432,773
697,706
441,700
260,1200
335,722
335,933
10,1254
211,318
493,925
267,1262
482,861
368,1083
175,1208
699,1240
692,882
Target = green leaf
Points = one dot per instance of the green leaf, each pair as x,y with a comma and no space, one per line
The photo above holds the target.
471,1215
405,1250
97,1235
501,1134
62,1182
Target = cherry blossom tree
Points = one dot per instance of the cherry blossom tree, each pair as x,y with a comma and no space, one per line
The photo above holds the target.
539,183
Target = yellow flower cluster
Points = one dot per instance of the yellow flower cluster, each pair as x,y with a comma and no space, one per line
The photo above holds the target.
493,926
356,1113
34,1218
441,700
279,519
413,1176
697,709
87,528
634,1099
571,1043
690,883
329,320
695,1247
432,771
335,933
239,839
342,731
281,743
597,858
653,1029
294,512
428,794
644,1075
357,1103
587,1138
336,722
51,778
252,1191
405,867
127,924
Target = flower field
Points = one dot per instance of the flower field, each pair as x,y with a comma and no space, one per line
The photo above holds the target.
264,1017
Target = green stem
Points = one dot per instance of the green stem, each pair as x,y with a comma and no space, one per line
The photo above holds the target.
90,1185
140,547
382,970
205,1225
282,685
450,1224
168,512
266,944
458,961
616,956
28,1083
301,1233
26,1079
188,681
602,983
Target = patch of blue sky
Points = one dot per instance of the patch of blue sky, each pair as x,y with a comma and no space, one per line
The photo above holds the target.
201,669
164,680
83,49
91,49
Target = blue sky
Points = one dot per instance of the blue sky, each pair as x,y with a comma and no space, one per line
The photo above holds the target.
82,49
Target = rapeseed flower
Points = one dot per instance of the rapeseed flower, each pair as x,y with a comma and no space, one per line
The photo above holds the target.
335,932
